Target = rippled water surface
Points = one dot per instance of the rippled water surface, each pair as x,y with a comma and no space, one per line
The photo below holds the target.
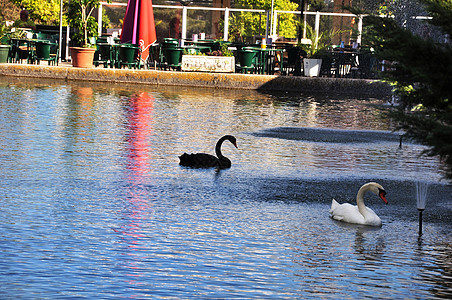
94,204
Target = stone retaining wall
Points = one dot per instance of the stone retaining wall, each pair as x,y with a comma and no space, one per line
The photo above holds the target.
358,87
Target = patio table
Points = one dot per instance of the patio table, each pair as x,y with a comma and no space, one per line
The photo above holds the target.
196,49
23,45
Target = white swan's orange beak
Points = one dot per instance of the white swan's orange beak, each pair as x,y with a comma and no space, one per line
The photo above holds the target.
383,196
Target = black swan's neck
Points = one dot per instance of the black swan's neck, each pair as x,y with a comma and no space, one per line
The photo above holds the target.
218,147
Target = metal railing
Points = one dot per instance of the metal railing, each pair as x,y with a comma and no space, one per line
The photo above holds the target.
271,21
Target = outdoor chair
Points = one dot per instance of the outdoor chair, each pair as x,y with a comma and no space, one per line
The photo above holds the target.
365,67
21,50
168,43
153,60
213,45
104,55
101,40
343,63
47,51
247,60
293,62
39,36
172,58
328,68
130,56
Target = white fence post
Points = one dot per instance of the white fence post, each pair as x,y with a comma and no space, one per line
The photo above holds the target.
267,25
226,24
360,29
275,21
99,20
184,23
317,23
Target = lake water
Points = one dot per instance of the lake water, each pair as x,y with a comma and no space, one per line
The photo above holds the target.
94,204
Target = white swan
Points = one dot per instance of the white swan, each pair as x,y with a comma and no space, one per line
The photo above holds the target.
359,214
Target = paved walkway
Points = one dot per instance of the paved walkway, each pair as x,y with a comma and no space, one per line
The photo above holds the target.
356,87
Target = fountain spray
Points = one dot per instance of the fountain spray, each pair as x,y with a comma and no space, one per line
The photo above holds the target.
421,198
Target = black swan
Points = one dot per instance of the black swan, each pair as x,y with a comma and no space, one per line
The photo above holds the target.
204,160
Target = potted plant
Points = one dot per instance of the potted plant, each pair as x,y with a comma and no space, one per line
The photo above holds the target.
313,62
79,16
7,49
315,49
4,46
221,60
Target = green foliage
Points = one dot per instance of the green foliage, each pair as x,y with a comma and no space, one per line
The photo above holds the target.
421,72
316,5
287,25
9,11
243,25
192,52
319,42
16,33
441,12
42,12
105,21
10,33
80,17
3,32
223,51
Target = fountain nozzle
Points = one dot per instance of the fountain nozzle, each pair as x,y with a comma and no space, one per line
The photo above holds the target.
420,220
421,199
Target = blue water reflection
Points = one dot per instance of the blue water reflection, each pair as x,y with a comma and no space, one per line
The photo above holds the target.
95,205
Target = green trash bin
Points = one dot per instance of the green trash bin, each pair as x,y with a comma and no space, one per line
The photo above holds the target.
4,53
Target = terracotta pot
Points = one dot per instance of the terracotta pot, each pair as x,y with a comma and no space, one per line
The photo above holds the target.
82,57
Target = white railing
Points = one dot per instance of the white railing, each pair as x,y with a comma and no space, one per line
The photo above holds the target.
184,9
271,18
268,31
317,15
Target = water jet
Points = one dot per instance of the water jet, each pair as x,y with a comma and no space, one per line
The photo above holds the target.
421,199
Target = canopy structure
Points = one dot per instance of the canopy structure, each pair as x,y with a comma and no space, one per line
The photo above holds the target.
139,26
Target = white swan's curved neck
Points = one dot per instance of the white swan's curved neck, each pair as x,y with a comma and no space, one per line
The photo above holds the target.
360,199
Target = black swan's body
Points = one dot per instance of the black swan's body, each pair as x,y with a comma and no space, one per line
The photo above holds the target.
204,160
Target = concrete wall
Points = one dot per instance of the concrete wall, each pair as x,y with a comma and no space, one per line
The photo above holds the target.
357,87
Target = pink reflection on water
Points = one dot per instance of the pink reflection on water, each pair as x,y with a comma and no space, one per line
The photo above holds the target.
139,117
136,210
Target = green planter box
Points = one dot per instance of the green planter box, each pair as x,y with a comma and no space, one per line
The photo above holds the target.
4,52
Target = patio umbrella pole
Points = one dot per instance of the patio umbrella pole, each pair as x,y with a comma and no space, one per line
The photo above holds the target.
300,34
60,36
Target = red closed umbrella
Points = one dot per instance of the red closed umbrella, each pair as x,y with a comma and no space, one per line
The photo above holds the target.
138,26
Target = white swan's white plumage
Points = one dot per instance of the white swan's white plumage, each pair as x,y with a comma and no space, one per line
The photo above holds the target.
359,214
